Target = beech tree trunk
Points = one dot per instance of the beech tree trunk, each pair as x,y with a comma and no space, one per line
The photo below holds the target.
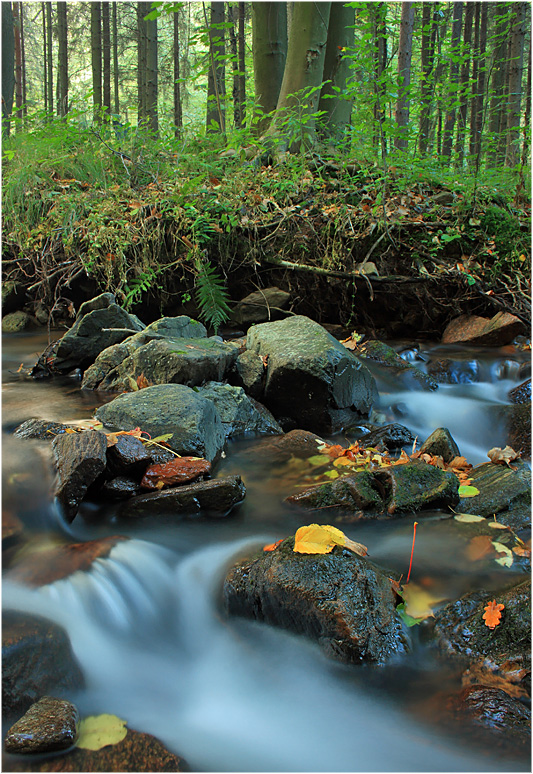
405,52
62,102
269,46
429,27
18,64
497,116
241,53
478,106
178,115
378,13
115,60
464,90
8,66
216,82
106,59
516,65
49,58
449,121
96,57
142,10
333,102
45,59
151,75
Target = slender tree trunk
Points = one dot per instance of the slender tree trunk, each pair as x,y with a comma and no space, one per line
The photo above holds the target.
8,66
23,49
477,126
440,23
269,46
151,75
378,12
426,87
216,82
333,102
178,115
96,58
45,59
49,58
449,122
115,60
465,84
405,52
476,53
241,52
232,35
142,10
62,68
18,64
516,65
527,112
500,36
106,59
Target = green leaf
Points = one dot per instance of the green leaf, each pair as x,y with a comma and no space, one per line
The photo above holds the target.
318,459
406,618
468,491
159,439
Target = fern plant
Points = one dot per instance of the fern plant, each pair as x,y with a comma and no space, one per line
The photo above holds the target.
211,295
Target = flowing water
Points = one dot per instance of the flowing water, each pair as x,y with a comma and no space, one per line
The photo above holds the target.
234,695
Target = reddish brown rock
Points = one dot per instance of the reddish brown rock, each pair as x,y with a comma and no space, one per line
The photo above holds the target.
42,567
180,470
482,332
49,725
136,752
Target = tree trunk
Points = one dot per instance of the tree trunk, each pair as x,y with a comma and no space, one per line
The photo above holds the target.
115,61
216,83
96,58
232,35
516,66
8,66
333,101
378,13
151,74
464,90
62,105
269,46
45,60
178,115
405,52
49,58
497,117
241,52
106,59
294,119
23,49
426,86
18,64
476,131
142,10
449,121
527,112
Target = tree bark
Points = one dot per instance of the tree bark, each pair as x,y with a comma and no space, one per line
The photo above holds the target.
405,52
294,120
151,75
106,60
142,10
8,66
49,58
178,115
464,90
115,61
516,66
62,105
378,13
241,52
476,130
216,83
333,101
269,46
426,86
96,58
497,117
232,35
45,60
449,121
18,64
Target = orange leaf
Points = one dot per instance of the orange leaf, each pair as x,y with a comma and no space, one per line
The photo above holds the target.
478,547
143,382
492,615
272,546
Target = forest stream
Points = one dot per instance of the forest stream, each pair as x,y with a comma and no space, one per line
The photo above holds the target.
227,694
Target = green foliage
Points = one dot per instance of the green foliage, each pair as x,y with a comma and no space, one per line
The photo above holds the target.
211,295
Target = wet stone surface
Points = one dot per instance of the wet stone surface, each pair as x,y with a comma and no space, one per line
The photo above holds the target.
50,724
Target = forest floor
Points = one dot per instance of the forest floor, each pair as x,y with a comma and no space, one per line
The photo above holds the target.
394,252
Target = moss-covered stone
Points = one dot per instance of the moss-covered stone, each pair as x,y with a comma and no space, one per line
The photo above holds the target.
386,356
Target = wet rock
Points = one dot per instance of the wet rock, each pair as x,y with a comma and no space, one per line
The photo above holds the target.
15,322
216,497
309,375
48,726
45,566
410,375
42,429
13,296
250,373
37,659
128,457
136,752
395,490
494,717
260,306
180,470
169,408
393,436
447,371
341,600
239,414
440,443
297,443
517,418
482,332
521,393
120,488
12,528
502,491
81,458
103,301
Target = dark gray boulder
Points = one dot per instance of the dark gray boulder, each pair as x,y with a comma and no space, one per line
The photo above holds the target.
386,357
49,725
81,459
311,379
442,444
342,600
239,414
169,408
392,436
250,372
503,491
260,306
42,429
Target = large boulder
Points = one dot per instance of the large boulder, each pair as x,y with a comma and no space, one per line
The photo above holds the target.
388,359
260,306
312,381
503,490
169,408
482,332
240,415
342,600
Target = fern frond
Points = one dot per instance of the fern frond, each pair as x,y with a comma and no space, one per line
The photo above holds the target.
211,295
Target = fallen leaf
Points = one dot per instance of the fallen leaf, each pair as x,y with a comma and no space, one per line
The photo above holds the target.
159,439
502,456
98,731
468,517
321,539
273,546
506,560
522,551
492,615
478,547
178,471
468,491
497,525
143,382
418,602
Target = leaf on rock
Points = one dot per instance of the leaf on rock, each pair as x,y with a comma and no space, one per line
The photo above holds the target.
506,559
159,439
502,456
468,517
273,546
492,615
143,382
468,491
321,539
178,471
98,731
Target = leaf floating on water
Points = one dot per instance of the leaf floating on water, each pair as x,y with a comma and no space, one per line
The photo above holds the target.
273,546
502,456
507,559
478,547
419,602
98,731
493,615
468,491
468,517
321,539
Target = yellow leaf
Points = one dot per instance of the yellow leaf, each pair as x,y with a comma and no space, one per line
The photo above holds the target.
98,731
507,559
418,602
341,462
468,517
497,525
321,539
